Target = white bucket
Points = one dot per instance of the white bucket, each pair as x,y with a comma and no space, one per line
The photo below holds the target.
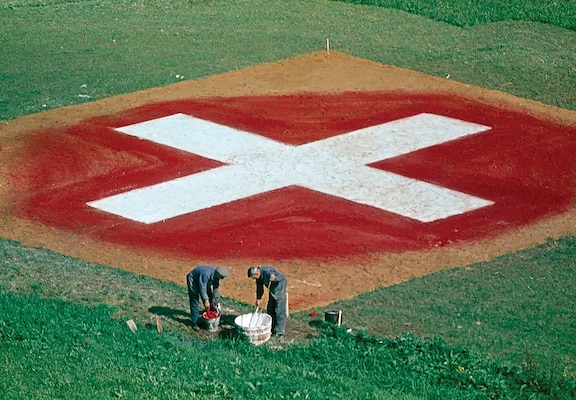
256,327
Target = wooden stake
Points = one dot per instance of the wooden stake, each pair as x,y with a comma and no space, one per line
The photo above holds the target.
132,325
158,324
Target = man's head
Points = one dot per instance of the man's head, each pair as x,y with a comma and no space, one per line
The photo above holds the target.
254,272
222,272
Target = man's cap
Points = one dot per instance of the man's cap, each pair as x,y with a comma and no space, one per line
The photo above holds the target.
252,271
223,272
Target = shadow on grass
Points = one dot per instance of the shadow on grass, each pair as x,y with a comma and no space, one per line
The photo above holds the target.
316,323
226,330
179,316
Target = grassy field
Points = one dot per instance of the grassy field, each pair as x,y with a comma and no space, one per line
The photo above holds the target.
108,48
472,12
502,329
63,328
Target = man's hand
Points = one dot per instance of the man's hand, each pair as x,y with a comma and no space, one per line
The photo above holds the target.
258,302
207,305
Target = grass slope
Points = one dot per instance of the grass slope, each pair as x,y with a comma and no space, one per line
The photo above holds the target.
561,13
106,48
518,306
51,348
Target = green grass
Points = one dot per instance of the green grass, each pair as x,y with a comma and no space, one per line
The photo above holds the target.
63,327
561,13
107,48
519,306
508,323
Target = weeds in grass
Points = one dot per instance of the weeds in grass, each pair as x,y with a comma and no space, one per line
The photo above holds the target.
411,358
55,349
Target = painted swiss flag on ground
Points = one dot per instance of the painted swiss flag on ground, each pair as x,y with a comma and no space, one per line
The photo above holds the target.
499,170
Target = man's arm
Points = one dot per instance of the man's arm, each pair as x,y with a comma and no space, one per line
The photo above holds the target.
203,284
259,289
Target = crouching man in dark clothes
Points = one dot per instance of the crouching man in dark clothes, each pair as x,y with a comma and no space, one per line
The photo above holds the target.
276,283
204,283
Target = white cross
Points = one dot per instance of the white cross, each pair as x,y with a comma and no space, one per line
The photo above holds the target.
334,166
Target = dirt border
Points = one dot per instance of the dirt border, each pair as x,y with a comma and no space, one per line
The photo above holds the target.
310,285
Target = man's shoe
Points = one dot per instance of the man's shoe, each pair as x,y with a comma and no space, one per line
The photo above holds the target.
195,327
277,336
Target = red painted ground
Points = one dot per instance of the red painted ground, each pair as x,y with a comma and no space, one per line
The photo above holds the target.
523,164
